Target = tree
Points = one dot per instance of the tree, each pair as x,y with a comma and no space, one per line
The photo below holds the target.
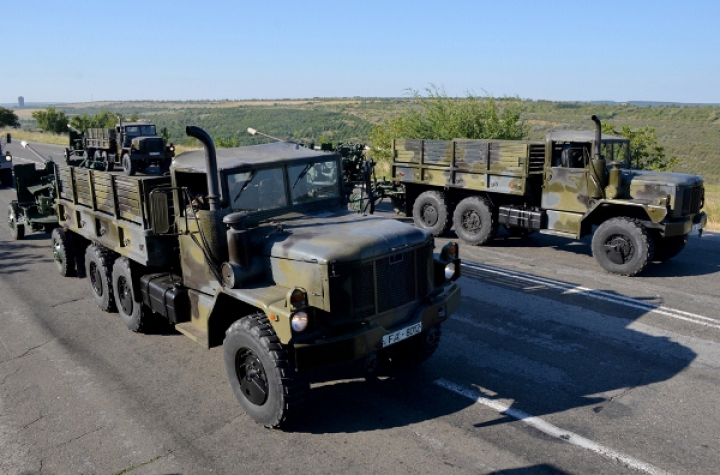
103,120
8,118
645,151
437,116
51,120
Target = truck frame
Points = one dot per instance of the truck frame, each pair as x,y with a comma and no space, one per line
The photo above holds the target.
253,248
574,184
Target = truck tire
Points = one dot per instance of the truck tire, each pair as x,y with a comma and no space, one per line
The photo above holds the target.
129,166
474,221
668,247
412,352
63,253
17,230
622,246
263,379
431,212
130,307
98,269
6,177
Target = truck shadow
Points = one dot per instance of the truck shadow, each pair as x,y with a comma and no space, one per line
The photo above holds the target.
545,351
541,469
698,258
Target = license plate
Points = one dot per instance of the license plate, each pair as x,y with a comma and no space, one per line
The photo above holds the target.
402,334
154,153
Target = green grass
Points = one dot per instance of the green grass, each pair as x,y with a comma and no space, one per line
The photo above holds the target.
712,207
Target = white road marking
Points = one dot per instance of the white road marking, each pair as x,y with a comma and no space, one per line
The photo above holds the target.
550,429
595,294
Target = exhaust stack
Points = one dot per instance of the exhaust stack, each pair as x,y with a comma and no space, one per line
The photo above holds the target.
210,163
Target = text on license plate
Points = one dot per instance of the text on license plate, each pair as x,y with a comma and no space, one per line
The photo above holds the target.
154,153
402,334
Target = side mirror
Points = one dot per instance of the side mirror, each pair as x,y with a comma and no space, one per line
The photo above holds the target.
159,212
8,139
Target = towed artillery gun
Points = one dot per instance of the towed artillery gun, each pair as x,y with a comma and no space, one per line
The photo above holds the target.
574,184
34,207
253,248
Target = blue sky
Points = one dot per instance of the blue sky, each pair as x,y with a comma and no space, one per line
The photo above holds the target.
77,51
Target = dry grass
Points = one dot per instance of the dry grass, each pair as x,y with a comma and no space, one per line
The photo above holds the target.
41,137
712,207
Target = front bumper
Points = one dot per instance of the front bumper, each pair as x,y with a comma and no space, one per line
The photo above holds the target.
351,347
681,228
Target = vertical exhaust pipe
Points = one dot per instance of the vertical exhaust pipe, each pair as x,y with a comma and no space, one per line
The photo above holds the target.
210,164
598,135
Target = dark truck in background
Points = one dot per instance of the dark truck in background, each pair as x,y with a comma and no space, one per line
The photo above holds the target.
574,184
133,145
254,248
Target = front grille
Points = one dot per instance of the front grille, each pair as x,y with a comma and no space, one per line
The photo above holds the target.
692,200
152,145
363,289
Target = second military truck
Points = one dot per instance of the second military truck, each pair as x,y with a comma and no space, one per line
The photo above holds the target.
573,184
253,248
133,145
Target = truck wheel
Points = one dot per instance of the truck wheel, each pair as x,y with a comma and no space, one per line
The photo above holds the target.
413,351
98,269
16,229
431,212
129,166
263,380
63,253
109,165
474,221
131,309
668,247
622,246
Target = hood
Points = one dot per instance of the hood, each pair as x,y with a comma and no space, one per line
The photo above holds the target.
651,177
339,236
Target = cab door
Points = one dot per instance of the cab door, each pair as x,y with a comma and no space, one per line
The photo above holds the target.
566,179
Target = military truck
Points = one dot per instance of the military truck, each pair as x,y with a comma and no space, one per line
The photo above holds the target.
34,206
574,184
6,178
253,248
133,145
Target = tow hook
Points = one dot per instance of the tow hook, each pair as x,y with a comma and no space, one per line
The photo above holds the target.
432,336
371,363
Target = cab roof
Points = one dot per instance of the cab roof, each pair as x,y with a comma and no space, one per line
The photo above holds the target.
252,155
580,136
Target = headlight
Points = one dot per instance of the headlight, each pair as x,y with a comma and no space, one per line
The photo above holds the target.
8,158
297,298
171,148
299,321
450,270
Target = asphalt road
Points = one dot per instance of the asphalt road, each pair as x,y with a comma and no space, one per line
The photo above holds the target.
550,366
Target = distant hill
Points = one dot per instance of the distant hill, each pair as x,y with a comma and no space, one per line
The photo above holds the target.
690,132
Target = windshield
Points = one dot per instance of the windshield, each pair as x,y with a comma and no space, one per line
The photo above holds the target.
616,152
140,130
313,181
257,190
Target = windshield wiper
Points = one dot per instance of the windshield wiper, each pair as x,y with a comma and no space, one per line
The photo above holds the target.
245,185
303,173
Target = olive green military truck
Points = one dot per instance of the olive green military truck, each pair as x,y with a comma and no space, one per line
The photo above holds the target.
253,248
133,145
573,184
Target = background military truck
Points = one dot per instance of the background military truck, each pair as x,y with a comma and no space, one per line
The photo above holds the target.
253,248
133,145
573,183
6,178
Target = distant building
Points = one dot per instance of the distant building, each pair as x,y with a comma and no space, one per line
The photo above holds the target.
21,102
